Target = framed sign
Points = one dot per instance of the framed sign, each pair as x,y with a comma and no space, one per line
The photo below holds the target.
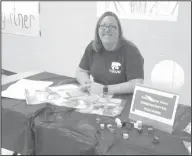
154,107
21,18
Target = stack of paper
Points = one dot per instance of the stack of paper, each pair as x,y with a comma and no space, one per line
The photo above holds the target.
17,90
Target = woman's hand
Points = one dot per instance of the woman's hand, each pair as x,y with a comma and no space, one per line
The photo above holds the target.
96,88
86,86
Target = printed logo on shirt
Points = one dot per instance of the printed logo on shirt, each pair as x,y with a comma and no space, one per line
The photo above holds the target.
115,67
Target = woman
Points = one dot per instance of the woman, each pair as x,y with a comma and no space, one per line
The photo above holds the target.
115,64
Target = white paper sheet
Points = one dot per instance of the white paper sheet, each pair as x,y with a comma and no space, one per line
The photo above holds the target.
188,146
17,90
188,128
63,90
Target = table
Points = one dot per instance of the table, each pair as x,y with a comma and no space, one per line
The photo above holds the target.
48,129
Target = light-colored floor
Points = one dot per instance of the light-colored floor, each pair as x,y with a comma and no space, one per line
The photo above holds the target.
6,152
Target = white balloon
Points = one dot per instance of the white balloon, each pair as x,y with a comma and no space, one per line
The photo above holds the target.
167,75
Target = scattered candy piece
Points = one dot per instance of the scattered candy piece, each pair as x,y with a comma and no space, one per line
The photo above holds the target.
102,126
156,139
109,126
150,130
125,135
136,125
119,125
139,124
117,120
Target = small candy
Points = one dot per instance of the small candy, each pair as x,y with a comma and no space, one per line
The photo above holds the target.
156,139
119,125
125,135
139,123
117,120
102,126
136,125
109,126
150,130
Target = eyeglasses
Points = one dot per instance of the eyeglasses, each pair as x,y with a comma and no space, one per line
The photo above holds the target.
110,27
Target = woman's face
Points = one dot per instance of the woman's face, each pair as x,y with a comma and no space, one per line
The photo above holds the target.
108,30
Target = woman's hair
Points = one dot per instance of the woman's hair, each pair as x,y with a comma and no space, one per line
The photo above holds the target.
97,44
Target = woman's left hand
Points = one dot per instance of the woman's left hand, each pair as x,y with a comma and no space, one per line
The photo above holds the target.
85,86
96,88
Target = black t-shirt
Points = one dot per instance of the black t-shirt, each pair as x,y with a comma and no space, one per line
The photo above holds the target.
113,67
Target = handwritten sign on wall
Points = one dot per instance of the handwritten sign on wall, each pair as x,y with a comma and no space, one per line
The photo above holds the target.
21,18
148,10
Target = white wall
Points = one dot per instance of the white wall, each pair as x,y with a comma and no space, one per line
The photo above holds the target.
67,27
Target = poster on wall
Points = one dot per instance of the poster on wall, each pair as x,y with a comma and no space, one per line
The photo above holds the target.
20,18
154,107
146,10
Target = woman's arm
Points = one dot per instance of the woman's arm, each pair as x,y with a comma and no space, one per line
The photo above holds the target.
82,76
124,88
121,88
82,72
